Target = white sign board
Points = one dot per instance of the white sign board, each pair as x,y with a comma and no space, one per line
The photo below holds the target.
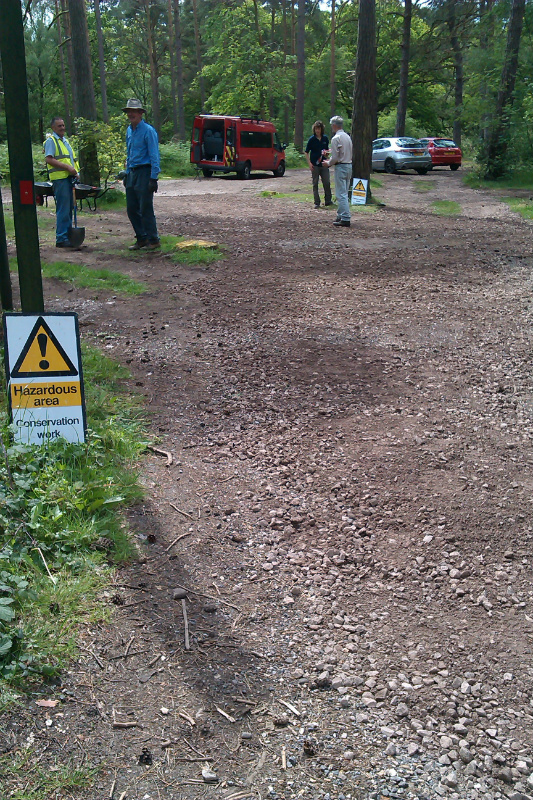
359,189
44,377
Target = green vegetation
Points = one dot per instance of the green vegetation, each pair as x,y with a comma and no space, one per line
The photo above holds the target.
423,186
88,278
176,160
522,205
446,208
36,782
84,277
519,179
194,255
61,526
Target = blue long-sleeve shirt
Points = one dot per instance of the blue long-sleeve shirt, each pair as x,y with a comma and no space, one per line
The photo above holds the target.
142,147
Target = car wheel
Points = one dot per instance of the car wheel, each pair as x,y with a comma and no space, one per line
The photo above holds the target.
207,172
454,167
245,171
390,166
279,172
423,170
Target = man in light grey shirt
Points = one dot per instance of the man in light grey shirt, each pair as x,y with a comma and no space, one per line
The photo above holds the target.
341,157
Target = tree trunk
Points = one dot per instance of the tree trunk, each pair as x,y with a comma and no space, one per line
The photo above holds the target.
401,111
486,35
66,100
458,71
364,121
154,76
332,83
498,140
70,58
101,60
197,43
285,54
82,76
83,88
179,70
300,78
171,44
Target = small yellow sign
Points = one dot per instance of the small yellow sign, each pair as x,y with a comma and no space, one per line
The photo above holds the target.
43,355
45,395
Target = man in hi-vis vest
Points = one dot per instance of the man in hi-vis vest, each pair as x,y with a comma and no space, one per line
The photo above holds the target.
62,171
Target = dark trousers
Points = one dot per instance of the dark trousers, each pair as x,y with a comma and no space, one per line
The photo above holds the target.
323,173
64,207
140,205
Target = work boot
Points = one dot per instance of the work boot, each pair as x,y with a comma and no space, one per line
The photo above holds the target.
342,223
139,245
65,244
153,246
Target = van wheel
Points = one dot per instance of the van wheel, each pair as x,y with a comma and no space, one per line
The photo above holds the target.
422,170
454,166
207,172
279,172
244,172
390,166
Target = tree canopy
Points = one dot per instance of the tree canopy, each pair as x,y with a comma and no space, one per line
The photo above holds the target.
183,57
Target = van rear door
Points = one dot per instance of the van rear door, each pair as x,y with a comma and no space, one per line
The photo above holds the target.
196,143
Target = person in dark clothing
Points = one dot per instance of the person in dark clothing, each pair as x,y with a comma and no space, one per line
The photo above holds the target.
142,168
316,152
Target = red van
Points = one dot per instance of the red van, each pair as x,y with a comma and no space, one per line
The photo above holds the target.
236,144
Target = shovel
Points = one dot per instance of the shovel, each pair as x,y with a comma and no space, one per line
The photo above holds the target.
76,235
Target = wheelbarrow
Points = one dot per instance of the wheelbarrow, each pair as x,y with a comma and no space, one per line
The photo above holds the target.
45,189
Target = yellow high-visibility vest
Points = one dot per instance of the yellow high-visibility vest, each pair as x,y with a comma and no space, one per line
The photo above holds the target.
61,154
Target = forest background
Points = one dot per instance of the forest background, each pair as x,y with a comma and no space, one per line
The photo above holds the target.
440,68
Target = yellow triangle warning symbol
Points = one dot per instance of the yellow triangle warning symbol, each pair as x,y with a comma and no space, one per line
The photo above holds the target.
360,187
43,355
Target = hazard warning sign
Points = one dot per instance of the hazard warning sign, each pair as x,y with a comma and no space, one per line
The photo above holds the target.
359,189
44,377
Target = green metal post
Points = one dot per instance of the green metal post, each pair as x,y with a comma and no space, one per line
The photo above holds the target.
6,295
20,156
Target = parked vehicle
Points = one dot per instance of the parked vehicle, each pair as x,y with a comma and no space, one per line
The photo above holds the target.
236,144
443,152
394,153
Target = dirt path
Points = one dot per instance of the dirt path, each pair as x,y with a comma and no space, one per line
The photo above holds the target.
350,415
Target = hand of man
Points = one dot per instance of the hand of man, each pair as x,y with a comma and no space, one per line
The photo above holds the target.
152,185
325,163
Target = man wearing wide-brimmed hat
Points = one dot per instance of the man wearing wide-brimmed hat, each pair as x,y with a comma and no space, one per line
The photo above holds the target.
142,171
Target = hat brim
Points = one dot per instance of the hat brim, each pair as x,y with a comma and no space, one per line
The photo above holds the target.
133,109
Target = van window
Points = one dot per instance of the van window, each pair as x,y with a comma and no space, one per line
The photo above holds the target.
256,139
196,134
277,143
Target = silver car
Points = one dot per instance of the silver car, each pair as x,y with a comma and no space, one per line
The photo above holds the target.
394,153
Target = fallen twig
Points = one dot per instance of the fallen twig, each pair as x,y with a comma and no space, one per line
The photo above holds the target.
112,790
290,707
183,535
185,716
209,597
165,453
125,724
154,660
87,650
228,716
185,514
128,646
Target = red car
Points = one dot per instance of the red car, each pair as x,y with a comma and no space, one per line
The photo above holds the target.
443,152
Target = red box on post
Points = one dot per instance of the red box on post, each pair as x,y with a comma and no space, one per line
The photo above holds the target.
26,193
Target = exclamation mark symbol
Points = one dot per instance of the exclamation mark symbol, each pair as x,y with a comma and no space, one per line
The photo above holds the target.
42,340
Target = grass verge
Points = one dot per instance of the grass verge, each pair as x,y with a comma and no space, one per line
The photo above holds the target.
518,179
522,205
31,781
446,208
84,277
422,188
193,255
61,529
